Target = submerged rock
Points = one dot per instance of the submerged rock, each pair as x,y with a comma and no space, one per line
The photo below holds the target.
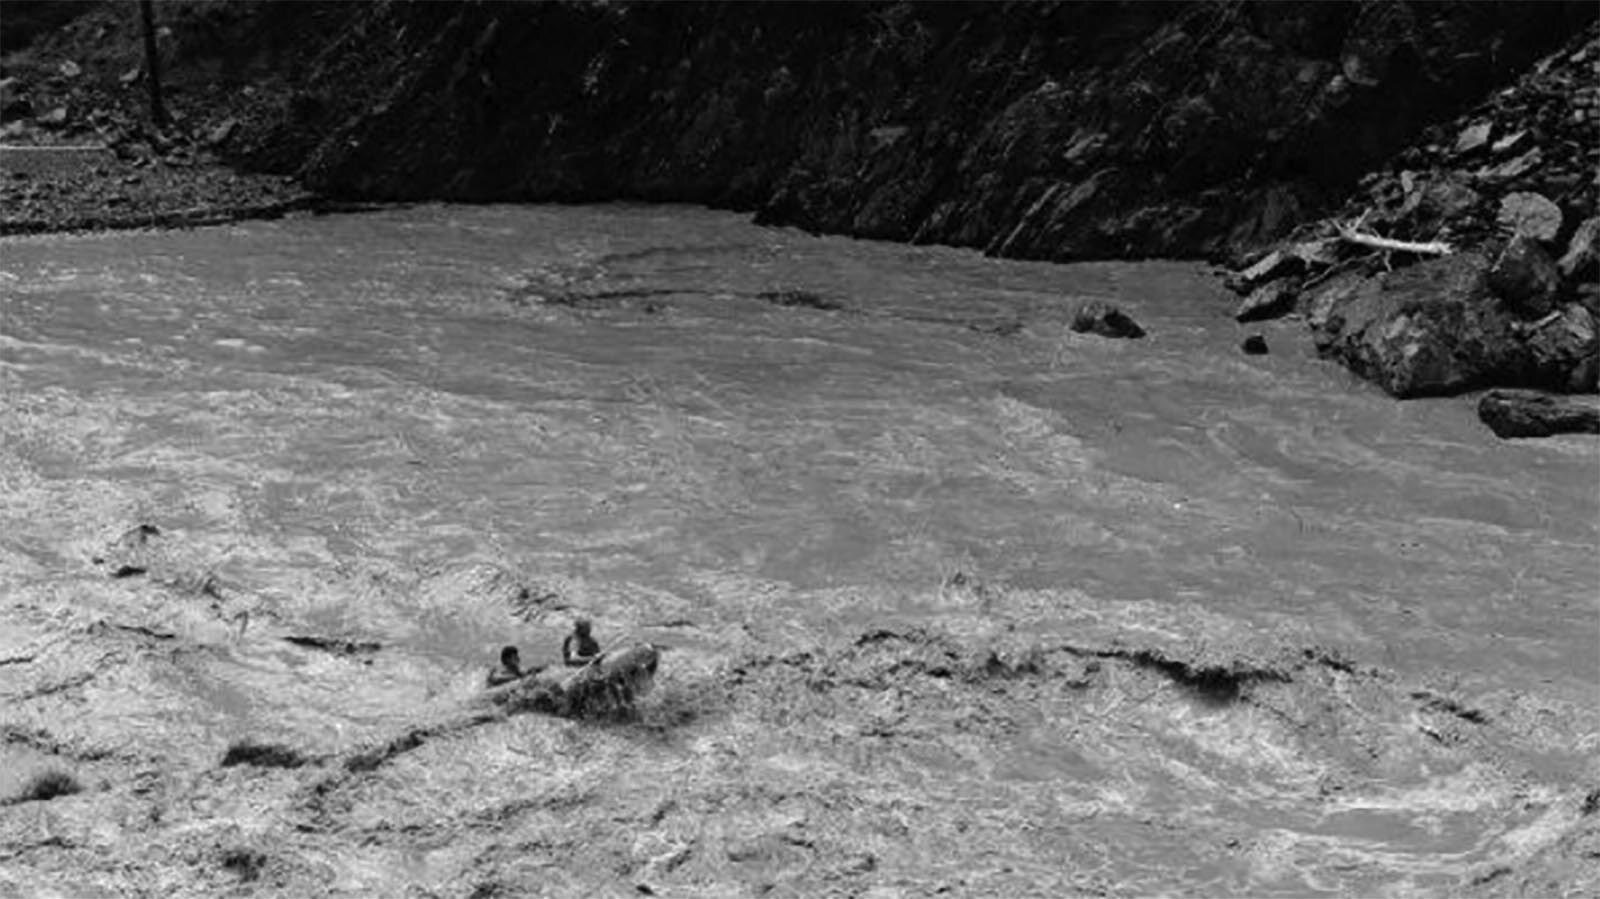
1528,413
1098,317
1254,345
132,553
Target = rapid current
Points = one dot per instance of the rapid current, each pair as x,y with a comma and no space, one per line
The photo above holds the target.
731,440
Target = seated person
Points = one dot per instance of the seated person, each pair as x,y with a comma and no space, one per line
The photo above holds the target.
579,649
510,668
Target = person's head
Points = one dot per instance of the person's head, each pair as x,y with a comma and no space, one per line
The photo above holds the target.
581,627
510,658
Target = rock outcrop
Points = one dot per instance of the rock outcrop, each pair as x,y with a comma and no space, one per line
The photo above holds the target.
1050,130
1436,329
1507,197
1044,131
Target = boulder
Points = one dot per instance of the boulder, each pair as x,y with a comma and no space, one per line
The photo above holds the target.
1581,261
1530,214
1254,345
1473,136
1512,168
220,134
1434,329
1403,330
1272,300
1098,317
1562,351
1525,278
1441,200
1528,413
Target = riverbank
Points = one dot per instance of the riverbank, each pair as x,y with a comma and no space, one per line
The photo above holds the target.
107,192
78,150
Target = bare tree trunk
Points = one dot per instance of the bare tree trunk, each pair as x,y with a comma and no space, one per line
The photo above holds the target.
158,111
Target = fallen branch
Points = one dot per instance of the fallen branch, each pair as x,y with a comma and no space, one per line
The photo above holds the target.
1435,248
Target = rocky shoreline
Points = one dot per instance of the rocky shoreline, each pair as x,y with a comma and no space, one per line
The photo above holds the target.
78,152
1470,260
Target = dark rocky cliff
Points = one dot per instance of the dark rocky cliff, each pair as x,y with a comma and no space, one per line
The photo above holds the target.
1038,130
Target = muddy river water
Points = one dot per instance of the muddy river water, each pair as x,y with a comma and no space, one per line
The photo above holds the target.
1210,623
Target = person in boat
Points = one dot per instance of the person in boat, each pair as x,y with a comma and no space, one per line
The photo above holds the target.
509,669
579,649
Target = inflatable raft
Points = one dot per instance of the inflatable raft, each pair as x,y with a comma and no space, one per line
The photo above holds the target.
607,687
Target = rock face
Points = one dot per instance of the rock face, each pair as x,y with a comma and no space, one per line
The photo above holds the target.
1525,413
1435,329
1043,131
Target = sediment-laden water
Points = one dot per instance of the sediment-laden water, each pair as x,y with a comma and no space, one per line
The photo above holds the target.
952,598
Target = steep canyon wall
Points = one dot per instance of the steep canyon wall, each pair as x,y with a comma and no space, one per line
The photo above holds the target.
1037,130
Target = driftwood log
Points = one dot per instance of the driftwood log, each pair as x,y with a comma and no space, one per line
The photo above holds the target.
1353,233
1432,248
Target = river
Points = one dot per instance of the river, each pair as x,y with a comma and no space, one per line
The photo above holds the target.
734,439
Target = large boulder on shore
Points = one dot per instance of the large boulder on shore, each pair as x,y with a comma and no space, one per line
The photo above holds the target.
1525,277
1528,413
1436,329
